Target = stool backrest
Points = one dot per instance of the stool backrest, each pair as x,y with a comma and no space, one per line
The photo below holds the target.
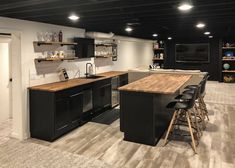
203,83
199,90
195,94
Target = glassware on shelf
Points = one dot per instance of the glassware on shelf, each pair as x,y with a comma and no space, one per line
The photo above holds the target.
69,53
40,36
46,36
50,37
55,37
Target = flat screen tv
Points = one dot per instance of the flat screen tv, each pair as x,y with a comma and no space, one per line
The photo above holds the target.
192,53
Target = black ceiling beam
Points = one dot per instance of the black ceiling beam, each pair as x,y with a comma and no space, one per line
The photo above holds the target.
95,8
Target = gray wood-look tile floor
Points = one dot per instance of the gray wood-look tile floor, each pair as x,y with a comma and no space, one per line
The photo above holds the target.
215,150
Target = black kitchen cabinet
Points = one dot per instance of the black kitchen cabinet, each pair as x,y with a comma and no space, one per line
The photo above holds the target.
123,80
117,82
102,95
76,108
85,47
62,119
55,113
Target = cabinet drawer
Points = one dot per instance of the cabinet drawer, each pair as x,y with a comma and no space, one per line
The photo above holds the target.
102,82
62,94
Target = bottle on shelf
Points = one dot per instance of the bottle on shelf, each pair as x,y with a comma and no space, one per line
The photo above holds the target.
161,44
60,36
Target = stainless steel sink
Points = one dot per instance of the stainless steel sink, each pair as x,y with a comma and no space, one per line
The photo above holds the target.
93,77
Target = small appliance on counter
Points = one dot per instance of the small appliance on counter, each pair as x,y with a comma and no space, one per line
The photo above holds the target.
63,75
154,66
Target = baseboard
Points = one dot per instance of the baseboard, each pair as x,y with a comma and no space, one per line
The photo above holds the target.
20,137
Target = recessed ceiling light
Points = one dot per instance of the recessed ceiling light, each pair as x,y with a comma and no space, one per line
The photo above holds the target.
207,33
200,25
169,38
128,29
73,17
210,36
155,35
185,7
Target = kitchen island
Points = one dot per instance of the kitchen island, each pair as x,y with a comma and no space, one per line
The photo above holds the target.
144,116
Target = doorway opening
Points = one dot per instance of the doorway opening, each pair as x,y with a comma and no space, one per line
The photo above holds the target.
5,85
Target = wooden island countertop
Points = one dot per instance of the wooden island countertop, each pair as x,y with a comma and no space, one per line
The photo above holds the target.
158,83
57,86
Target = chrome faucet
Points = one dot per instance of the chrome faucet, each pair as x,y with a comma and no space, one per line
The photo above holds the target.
88,73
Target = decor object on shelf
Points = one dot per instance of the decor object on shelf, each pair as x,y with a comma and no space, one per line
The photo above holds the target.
226,66
229,53
227,45
156,45
63,75
229,58
228,78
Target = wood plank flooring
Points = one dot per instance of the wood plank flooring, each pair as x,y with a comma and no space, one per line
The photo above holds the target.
215,150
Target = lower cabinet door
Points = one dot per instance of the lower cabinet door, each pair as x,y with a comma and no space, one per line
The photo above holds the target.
62,117
123,80
76,108
106,95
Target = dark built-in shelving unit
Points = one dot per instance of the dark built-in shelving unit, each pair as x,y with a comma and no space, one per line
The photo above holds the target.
157,51
228,74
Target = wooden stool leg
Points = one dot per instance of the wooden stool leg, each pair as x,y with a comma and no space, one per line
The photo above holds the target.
201,116
191,133
204,108
196,115
170,127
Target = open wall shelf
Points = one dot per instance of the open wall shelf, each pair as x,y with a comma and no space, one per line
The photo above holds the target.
228,71
39,43
158,59
54,59
158,49
228,48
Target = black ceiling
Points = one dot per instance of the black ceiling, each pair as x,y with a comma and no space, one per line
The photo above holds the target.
148,16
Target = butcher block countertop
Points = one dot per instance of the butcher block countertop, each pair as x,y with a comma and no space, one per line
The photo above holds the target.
158,83
57,86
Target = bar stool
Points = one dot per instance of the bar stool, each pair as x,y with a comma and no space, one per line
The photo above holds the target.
195,112
200,100
183,108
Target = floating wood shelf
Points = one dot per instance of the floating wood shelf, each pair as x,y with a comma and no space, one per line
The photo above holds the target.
39,43
228,48
158,59
228,71
228,59
55,59
104,56
158,48
106,45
